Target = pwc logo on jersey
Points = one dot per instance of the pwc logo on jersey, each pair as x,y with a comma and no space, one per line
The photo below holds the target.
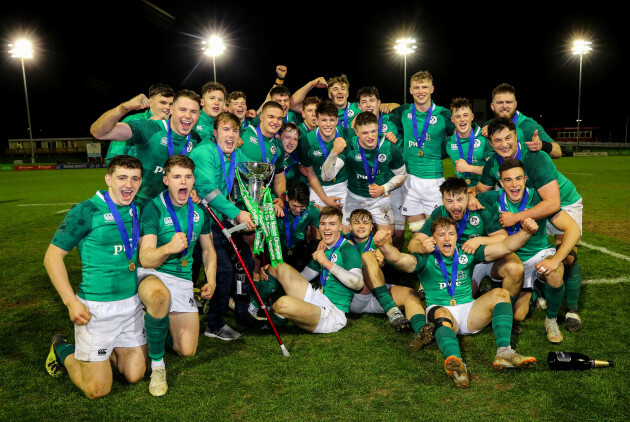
158,169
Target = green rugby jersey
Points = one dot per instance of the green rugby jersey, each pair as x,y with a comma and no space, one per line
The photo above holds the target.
386,125
251,150
480,223
347,257
210,178
308,217
157,221
90,226
311,154
292,171
151,142
536,243
434,283
124,148
480,153
388,156
205,127
539,169
347,114
429,165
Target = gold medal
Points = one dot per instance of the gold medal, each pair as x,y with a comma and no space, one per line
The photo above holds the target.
420,153
132,266
184,262
335,180
468,181
453,302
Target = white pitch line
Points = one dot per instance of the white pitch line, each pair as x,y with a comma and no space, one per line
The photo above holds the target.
58,203
607,280
580,174
606,251
59,212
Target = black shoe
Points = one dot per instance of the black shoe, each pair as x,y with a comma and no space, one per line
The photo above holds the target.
425,336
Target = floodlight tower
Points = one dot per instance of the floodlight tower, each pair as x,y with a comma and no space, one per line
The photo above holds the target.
23,49
405,46
580,47
213,47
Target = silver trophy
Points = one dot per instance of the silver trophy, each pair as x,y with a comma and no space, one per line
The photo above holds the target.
256,176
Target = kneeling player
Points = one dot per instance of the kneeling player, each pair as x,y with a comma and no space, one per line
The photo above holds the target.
323,309
106,311
539,258
377,296
446,277
171,226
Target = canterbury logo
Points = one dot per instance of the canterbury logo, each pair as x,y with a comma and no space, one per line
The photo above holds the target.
102,352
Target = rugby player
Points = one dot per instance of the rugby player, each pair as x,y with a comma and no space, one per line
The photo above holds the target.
425,127
446,276
154,140
171,226
106,311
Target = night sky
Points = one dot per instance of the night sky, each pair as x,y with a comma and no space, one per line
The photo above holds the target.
88,62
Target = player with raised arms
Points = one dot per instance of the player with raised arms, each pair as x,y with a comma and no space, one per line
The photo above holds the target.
154,140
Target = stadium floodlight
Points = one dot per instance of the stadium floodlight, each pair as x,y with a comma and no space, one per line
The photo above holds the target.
405,46
23,49
580,47
213,47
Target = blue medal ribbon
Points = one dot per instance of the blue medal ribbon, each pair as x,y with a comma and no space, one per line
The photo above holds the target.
171,212
289,228
130,248
367,245
287,169
471,148
261,144
425,128
171,147
320,140
371,175
515,117
345,116
380,123
324,274
451,283
229,178
461,226
521,206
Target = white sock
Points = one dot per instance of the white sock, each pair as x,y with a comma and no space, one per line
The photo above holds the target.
157,364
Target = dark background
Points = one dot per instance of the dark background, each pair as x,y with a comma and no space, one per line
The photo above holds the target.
90,56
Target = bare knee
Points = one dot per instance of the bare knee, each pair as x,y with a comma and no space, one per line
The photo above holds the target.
501,295
97,389
281,305
186,350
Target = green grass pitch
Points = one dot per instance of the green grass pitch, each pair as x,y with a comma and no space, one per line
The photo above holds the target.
366,372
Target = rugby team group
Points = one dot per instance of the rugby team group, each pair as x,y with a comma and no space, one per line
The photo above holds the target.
349,178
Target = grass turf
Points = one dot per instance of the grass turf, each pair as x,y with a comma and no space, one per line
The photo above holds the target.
365,372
